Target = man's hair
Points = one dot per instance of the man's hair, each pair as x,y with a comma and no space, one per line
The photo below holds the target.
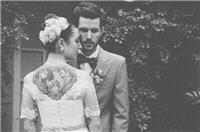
88,10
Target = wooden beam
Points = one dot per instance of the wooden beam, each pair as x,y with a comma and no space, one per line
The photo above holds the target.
0,83
16,91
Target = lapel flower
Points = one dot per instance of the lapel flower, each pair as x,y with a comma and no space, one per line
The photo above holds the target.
98,77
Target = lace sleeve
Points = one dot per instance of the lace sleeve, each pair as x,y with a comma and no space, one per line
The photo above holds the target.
90,100
28,106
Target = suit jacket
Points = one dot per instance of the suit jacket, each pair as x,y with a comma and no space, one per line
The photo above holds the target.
112,92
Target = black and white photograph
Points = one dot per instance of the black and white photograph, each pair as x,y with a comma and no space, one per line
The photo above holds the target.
100,66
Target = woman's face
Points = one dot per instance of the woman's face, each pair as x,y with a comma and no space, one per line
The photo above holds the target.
72,46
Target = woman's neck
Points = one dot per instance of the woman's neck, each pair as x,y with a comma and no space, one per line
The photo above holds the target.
55,59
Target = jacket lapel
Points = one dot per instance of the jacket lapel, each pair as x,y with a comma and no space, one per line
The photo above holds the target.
102,64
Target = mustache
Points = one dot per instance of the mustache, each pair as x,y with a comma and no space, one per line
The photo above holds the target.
88,41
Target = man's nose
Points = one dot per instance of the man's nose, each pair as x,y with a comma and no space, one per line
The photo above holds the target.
89,34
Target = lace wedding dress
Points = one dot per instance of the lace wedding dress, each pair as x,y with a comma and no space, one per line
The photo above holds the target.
62,96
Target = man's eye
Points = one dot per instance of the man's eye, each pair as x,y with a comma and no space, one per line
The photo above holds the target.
95,30
83,30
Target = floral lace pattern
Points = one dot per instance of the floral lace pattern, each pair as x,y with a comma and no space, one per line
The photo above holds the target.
55,81
29,113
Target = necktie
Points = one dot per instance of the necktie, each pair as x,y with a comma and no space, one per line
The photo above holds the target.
83,59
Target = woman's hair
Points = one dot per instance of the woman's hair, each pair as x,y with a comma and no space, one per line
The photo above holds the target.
65,34
88,10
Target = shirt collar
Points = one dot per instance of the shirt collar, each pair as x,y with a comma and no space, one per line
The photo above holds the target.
93,55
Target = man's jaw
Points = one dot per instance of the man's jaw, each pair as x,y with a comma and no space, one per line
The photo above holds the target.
88,52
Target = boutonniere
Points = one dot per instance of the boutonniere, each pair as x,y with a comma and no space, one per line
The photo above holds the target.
98,76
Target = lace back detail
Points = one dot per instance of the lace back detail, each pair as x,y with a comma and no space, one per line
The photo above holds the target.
55,81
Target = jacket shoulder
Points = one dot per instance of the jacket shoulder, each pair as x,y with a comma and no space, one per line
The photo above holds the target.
115,57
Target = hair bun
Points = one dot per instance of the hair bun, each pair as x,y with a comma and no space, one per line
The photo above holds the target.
49,16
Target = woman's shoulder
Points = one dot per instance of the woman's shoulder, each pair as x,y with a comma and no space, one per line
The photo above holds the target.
83,75
31,74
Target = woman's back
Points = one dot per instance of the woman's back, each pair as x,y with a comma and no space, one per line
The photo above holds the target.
61,95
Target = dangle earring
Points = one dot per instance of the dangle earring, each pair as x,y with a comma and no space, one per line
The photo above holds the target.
61,50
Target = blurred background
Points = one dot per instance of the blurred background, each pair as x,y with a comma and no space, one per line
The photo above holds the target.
160,40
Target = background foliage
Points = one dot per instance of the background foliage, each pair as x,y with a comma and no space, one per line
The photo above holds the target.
13,23
14,20
160,41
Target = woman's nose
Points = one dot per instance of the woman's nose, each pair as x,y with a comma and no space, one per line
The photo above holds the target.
79,45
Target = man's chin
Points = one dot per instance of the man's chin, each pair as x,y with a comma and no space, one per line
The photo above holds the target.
88,48
87,51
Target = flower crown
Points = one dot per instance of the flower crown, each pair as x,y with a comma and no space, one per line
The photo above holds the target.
53,28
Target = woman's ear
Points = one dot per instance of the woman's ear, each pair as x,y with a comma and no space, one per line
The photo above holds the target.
61,43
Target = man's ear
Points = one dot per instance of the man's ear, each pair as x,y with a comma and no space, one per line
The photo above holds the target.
102,31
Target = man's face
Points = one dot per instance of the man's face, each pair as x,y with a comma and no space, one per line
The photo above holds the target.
90,32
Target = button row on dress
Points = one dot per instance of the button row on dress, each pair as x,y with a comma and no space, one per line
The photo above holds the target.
59,113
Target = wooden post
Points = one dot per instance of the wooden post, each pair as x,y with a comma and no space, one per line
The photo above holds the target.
198,107
0,82
16,91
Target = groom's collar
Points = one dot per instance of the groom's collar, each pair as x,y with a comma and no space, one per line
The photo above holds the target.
93,55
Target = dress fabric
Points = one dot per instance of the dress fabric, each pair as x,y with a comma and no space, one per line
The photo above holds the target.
62,96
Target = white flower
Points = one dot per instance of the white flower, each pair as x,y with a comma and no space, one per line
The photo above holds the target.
43,37
53,29
51,21
63,23
98,76
100,72
52,32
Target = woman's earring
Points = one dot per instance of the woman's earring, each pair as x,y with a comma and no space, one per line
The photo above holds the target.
61,50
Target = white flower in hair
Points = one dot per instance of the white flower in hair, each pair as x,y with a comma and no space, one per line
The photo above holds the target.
43,37
53,28
51,21
63,23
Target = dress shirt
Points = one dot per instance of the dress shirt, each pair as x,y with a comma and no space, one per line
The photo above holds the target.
86,66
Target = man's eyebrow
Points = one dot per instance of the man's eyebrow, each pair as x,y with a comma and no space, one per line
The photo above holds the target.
82,28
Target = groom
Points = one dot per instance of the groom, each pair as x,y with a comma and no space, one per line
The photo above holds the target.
108,69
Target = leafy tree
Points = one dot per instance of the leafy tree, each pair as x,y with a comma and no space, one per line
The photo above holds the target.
156,38
15,19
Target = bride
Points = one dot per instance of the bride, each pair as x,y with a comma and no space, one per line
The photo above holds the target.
62,95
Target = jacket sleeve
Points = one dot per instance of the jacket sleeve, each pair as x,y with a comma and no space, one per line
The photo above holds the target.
121,101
